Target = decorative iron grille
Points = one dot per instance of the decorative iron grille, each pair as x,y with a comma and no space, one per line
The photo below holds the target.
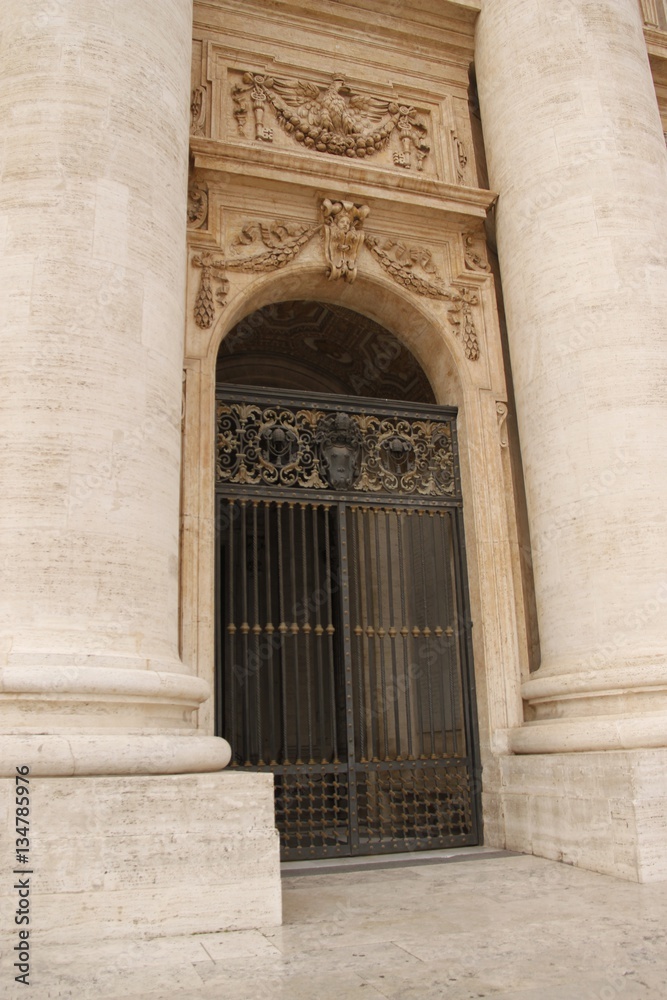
319,450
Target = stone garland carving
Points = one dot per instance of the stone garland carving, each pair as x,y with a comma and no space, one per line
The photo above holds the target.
342,228
332,119
473,260
398,263
284,242
197,205
198,111
462,319
211,269
315,449
463,299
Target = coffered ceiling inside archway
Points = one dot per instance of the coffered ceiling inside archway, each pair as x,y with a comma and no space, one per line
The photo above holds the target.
319,347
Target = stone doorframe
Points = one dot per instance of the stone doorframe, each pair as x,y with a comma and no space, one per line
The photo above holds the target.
489,512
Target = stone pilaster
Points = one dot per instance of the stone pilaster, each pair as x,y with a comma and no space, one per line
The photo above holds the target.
94,126
576,152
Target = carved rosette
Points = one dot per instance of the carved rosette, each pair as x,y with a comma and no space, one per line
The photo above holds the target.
315,449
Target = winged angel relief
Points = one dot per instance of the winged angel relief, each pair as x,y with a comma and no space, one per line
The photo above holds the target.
332,119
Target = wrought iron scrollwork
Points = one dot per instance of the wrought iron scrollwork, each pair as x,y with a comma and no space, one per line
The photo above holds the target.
315,449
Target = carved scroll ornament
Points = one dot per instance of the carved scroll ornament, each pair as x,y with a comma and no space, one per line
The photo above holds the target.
332,119
474,261
197,205
501,413
282,446
198,111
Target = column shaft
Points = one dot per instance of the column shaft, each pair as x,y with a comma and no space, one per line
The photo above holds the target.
576,152
94,127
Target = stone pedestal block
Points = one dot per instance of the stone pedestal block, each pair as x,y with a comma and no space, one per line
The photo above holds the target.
603,811
128,857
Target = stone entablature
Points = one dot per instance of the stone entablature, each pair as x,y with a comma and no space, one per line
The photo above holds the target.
304,92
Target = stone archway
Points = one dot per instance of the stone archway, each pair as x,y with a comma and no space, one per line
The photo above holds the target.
477,390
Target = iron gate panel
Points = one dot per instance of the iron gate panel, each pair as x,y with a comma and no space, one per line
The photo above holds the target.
343,634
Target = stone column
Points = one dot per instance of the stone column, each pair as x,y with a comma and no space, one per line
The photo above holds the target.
576,152
94,123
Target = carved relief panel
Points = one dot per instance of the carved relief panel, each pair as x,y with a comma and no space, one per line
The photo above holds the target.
407,130
329,117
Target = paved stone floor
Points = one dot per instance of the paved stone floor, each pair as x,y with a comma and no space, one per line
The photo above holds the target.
515,927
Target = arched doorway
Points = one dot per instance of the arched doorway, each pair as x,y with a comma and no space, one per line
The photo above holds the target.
343,651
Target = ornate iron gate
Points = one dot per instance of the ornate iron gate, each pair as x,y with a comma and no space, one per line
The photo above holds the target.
343,635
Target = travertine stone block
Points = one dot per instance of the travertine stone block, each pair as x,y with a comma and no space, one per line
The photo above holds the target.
603,811
148,856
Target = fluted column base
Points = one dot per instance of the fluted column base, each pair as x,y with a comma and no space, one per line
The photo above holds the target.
76,754
622,706
610,732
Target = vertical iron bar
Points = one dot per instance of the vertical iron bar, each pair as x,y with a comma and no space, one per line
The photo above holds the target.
426,629
282,631
453,674
467,669
319,633
343,562
392,633
415,632
381,633
439,591
404,634
370,632
358,631
269,628
464,637
257,633
221,634
230,668
294,629
245,628
329,629
306,629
